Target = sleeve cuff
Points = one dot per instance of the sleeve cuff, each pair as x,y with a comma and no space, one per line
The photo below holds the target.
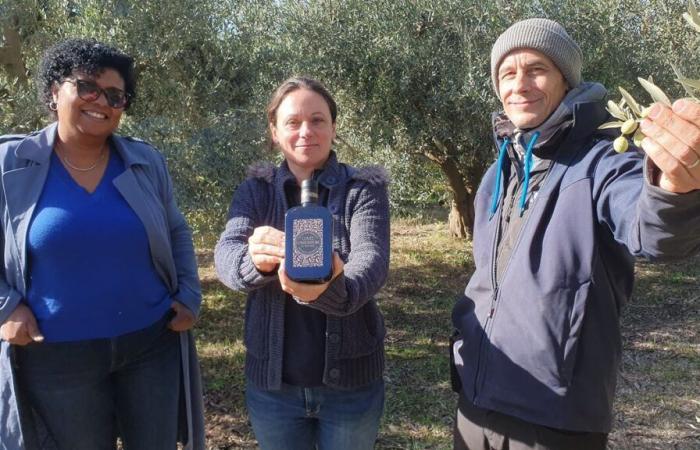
250,274
651,172
651,182
8,304
334,300
193,304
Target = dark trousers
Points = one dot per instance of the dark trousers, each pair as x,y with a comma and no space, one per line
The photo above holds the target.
87,392
480,429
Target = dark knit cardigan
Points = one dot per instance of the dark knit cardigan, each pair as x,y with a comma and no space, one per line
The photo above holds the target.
358,201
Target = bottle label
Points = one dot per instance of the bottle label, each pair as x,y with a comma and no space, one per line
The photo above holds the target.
307,235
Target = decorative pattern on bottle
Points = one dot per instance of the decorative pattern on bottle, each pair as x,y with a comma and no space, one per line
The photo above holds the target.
308,243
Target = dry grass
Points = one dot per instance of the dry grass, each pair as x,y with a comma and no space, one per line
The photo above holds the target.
658,395
658,401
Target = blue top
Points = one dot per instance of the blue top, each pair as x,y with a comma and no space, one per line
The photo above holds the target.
90,269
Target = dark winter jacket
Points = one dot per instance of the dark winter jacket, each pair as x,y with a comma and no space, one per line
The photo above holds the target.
358,201
542,343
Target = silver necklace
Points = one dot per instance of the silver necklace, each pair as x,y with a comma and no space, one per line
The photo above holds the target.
67,162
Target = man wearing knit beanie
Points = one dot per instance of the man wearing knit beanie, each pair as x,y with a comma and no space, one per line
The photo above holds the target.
560,217
541,45
545,36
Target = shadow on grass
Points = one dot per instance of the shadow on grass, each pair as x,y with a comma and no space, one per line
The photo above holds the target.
657,396
424,216
425,280
426,276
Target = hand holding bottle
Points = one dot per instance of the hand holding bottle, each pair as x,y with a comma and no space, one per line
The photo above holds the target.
306,292
266,248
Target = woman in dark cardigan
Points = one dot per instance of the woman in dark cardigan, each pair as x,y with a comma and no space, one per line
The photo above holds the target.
315,352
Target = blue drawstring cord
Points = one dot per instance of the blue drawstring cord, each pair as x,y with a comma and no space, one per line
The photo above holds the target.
499,171
526,170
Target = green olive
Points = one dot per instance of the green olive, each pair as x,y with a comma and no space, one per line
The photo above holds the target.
638,137
621,145
628,127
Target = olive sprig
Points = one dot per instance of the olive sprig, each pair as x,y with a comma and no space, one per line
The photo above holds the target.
629,113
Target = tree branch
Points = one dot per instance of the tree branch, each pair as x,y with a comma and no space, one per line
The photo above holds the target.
11,53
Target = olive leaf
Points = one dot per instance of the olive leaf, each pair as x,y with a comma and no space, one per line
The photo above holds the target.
616,111
692,22
627,109
607,125
692,83
692,16
689,85
623,106
634,106
656,93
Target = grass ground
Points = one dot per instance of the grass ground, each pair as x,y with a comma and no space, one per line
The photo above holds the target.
658,397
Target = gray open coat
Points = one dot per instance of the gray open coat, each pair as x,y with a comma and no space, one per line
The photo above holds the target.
146,186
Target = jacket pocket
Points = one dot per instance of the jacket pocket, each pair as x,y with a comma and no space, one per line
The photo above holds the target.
455,380
575,325
534,339
362,332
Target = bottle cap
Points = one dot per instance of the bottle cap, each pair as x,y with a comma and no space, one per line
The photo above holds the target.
309,191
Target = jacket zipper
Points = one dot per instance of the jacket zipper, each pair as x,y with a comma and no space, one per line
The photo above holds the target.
480,370
494,284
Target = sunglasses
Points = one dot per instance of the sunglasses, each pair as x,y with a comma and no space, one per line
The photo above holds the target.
90,92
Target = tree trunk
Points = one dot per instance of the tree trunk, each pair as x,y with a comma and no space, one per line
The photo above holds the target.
461,218
11,53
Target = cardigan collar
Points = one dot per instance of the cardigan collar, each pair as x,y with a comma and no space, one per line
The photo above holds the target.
329,175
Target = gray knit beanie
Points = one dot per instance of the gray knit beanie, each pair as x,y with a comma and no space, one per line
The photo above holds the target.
547,37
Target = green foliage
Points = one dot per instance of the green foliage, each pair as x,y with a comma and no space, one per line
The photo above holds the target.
193,95
18,107
415,185
412,78
628,110
624,39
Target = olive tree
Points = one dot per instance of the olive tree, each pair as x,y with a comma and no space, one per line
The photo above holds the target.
409,76
414,76
194,82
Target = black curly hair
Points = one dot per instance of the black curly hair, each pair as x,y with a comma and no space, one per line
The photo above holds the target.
84,55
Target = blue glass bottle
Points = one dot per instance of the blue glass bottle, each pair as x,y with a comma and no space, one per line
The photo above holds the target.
309,238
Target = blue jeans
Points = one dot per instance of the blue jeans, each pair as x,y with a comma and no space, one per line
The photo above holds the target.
296,418
88,392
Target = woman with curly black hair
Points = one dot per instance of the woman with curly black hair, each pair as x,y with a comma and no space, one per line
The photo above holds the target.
100,286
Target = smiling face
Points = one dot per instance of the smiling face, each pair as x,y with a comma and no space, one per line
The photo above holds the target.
530,86
83,119
304,131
